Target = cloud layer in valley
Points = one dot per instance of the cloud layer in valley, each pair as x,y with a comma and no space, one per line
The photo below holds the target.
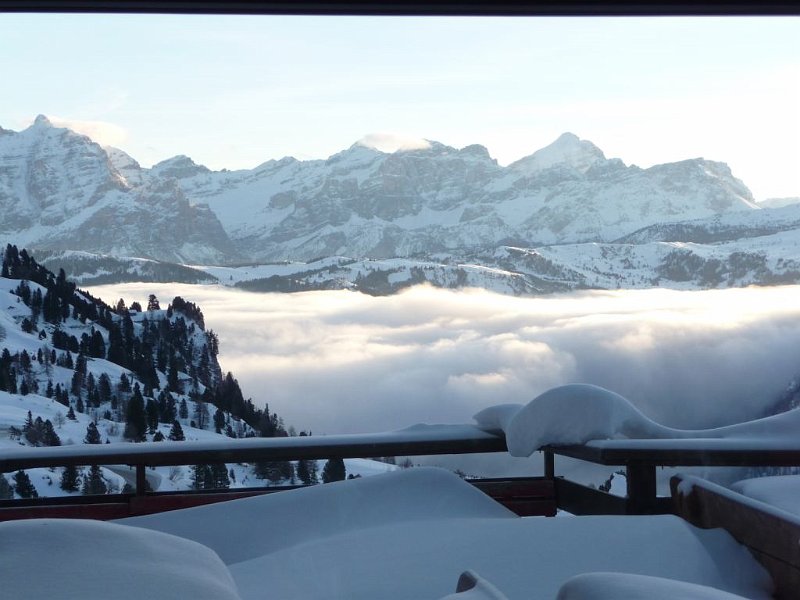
341,362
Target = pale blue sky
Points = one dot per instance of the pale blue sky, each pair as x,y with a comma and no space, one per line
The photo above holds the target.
232,92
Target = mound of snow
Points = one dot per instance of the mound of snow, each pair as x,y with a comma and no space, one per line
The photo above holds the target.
92,559
577,413
781,491
472,586
242,529
523,558
605,586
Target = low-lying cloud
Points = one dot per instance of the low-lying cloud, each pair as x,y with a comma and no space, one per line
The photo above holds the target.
101,132
392,142
341,362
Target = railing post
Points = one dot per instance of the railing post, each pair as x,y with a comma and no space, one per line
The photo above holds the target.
641,489
141,479
549,464
550,475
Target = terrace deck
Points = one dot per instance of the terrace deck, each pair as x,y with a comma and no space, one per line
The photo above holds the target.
707,506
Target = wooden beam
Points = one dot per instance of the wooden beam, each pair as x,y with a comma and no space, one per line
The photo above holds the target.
772,535
527,497
641,481
412,7
582,500
686,453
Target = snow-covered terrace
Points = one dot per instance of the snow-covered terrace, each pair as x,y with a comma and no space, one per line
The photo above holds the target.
412,534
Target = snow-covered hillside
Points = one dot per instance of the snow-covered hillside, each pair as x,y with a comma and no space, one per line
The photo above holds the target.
74,370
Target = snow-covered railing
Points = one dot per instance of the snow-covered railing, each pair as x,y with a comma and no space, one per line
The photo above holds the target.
419,440
770,533
641,457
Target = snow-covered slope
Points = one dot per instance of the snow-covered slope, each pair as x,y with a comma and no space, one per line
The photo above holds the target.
70,364
762,248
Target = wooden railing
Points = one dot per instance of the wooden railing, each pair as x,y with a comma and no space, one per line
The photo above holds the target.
526,496
641,458
771,534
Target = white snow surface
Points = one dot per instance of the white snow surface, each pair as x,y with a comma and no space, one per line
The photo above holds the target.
578,413
607,586
422,494
781,491
475,588
77,559
410,534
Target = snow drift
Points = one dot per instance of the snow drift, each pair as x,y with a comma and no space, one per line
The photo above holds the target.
577,413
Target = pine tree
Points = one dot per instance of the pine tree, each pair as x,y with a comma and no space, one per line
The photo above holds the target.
274,470
135,418
70,479
158,437
6,491
173,376
23,485
183,409
93,483
313,472
152,303
176,433
200,414
28,424
49,435
104,387
34,433
71,414
334,470
219,420
201,477
219,477
124,383
92,434
151,411
303,473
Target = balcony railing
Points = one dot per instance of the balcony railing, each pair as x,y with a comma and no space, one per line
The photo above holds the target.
526,496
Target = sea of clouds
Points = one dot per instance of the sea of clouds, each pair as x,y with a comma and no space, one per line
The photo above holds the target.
343,362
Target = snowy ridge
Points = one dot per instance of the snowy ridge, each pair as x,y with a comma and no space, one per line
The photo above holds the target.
764,254
360,202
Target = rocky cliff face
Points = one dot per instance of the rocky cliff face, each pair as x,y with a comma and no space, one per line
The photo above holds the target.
62,191
59,190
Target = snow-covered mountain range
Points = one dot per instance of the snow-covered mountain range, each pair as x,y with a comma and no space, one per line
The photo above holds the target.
557,219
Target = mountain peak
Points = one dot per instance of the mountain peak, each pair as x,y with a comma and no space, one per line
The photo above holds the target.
180,166
42,121
568,150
